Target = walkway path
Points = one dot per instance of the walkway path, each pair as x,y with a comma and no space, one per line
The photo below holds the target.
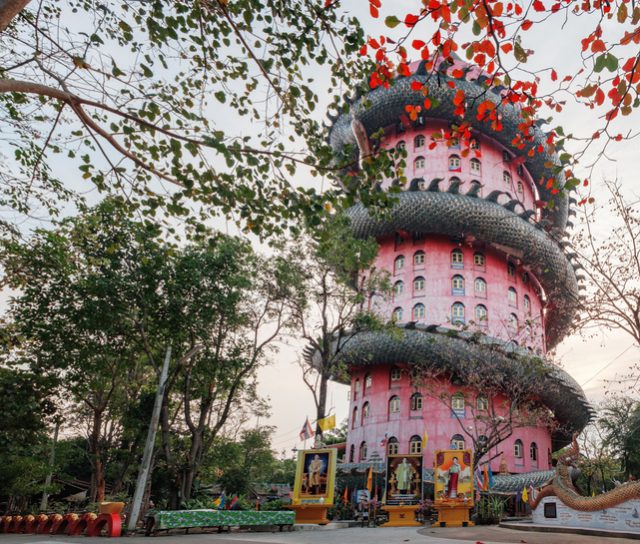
475,535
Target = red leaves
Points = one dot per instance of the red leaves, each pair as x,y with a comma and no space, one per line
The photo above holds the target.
374,80
459,97
526,25
413,111
554,75
363,50
598,46
418,44
373,8
410,20
403,69
538,5
416,86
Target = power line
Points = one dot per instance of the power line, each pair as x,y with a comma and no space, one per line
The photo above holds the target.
607,365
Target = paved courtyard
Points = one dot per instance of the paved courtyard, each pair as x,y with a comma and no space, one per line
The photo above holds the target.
475,535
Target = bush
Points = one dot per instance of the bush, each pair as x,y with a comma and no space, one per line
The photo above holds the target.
274,505
489,510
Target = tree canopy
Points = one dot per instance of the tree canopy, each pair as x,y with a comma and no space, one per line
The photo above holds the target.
185,107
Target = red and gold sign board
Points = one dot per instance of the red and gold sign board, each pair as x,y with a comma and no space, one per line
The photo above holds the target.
314,485
403,490
453,487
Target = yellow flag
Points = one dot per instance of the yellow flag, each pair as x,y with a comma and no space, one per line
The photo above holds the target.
370,480
525,495
425,439
327,423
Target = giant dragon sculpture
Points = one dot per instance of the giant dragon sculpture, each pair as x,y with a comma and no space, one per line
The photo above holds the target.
562,487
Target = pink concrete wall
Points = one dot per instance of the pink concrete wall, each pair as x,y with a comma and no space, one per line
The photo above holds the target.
494,159
437,295
435,417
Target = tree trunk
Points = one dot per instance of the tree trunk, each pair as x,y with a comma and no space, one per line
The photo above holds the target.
322,405
95,454
8,10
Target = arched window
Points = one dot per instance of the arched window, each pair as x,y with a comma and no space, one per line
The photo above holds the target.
511,270
418,164
513,322
398,264
352,453
474,144
480,287
505,155
482,403
457,285
525,277
419,141
418,284
520,170
401,145
520,188
354,417
457,258
367,381
478,259
455,179
512,296
365,412
416,401
356,387
397,314
394,405
457,442
476,166
415,444
454,163
506,177
457,402
457,313
517,449
363,451
418,258
533,451
481,315
398,287
392,446
527,304
395,375
418,312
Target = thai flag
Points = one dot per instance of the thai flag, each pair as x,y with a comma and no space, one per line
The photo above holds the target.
479,479
383,442
307,431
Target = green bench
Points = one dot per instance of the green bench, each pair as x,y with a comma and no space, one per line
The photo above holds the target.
165,520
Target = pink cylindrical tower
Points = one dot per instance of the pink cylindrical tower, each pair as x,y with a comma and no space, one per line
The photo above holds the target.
477,264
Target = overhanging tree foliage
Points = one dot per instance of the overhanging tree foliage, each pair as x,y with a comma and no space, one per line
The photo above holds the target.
170,102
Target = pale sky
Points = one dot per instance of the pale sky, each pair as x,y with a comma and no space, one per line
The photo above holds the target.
591,361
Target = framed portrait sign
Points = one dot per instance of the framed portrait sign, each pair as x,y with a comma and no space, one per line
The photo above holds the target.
404,479
315,477
453,482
